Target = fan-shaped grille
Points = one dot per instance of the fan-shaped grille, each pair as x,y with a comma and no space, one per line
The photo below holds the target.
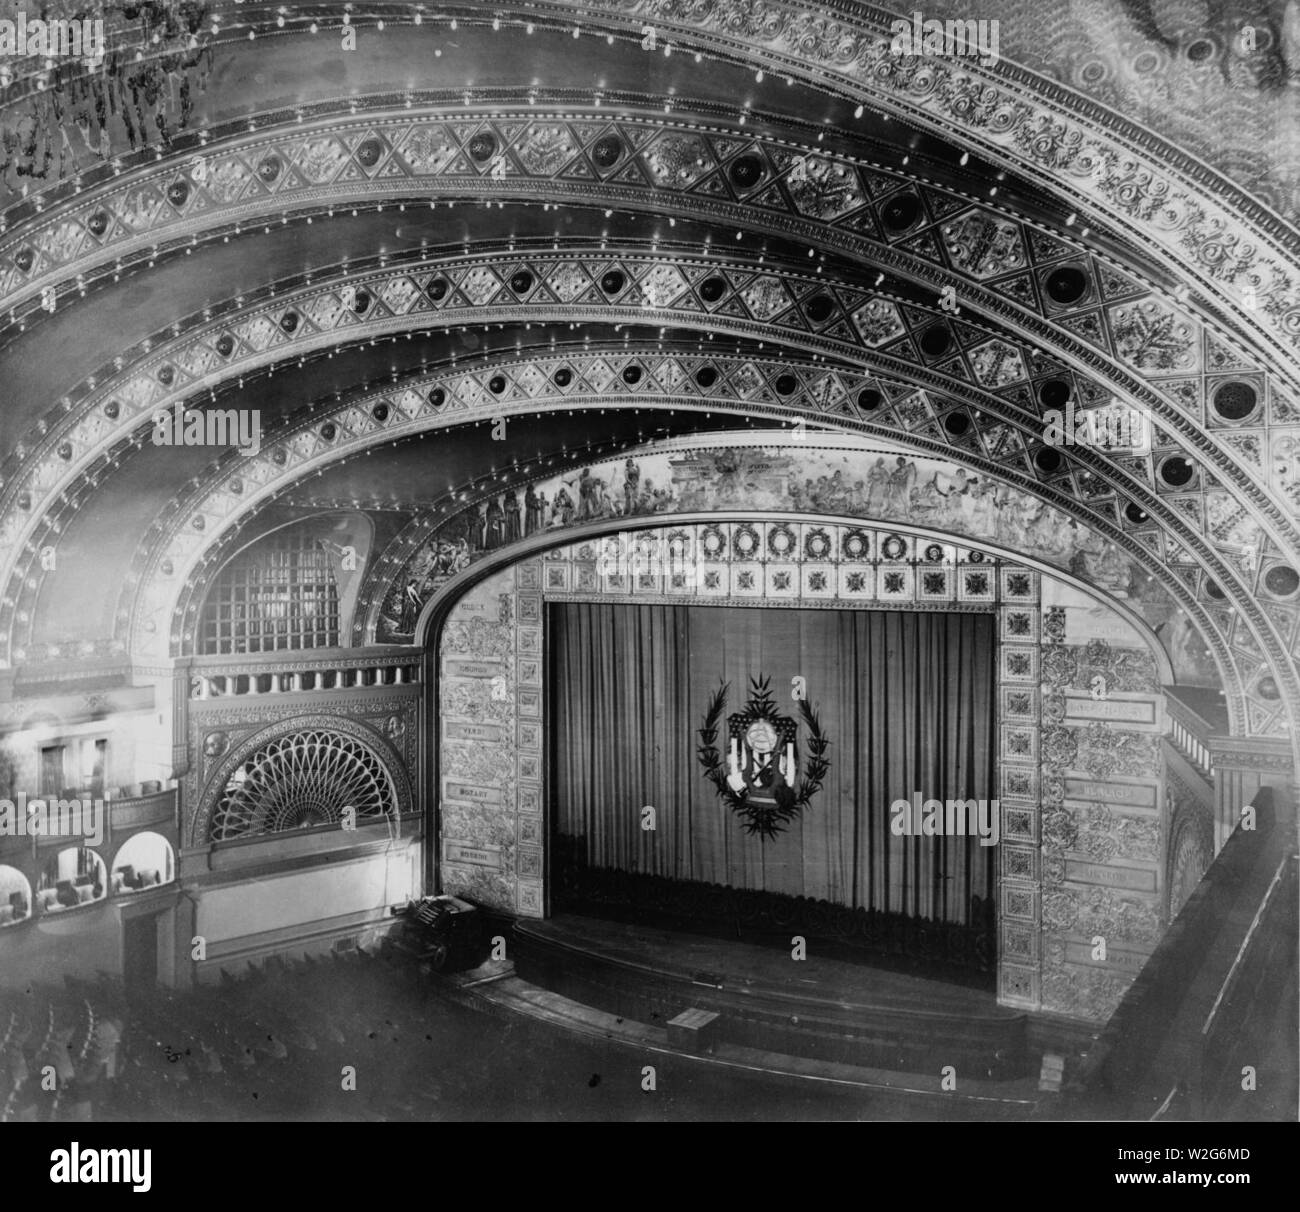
303,779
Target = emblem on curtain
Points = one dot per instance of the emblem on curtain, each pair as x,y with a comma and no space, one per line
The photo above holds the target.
759,780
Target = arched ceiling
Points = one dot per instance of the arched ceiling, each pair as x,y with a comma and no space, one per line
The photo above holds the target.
383,249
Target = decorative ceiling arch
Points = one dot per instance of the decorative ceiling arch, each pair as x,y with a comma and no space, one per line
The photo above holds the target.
983,251
1018,122
472,282
1048,133
394,563
238,488
823,315
1200,221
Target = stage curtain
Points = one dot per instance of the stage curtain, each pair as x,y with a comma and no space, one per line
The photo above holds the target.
906,700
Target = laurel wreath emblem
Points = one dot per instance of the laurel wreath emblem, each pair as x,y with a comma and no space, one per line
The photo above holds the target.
766,820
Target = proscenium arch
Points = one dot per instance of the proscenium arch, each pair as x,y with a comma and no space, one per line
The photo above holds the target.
180,606
409,538
436,611
852,378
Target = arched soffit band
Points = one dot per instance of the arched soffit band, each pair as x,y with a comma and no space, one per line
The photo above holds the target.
1046,287
826,390
811,312
166,582
1144,184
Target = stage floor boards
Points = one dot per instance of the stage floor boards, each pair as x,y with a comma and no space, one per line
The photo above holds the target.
818,1007
755,970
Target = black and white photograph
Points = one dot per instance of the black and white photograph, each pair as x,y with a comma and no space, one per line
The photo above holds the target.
636,561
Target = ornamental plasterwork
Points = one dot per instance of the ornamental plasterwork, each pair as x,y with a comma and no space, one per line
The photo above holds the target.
308,318
976,239
154,602
234,492
1194,216
976,242
203,791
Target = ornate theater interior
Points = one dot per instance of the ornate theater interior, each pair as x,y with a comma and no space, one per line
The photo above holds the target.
594,463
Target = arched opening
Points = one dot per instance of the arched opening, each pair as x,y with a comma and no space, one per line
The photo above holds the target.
15,896
73,877
145,861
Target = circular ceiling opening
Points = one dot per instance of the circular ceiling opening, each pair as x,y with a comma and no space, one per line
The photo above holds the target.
1177,471
936,340
1066,284
1282,581
1048,460
1055,393
745,171
901,212
1235,400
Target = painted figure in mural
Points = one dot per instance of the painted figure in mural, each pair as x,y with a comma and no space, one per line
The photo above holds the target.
927,502
543,511
877,487
631,485
496,524
982,494
585,486
953,490
534,511
411,605
512,527
563,507
478,530
901,480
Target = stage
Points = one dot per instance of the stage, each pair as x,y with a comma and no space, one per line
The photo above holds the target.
828,1012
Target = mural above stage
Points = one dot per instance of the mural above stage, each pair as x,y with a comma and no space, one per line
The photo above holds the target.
801,477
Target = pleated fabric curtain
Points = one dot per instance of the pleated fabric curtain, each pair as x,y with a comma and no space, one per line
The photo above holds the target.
905,699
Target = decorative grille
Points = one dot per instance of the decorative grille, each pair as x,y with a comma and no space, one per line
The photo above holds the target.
300,780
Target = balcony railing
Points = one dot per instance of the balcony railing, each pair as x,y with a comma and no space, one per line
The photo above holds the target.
1168,1050
1196,715
284,673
